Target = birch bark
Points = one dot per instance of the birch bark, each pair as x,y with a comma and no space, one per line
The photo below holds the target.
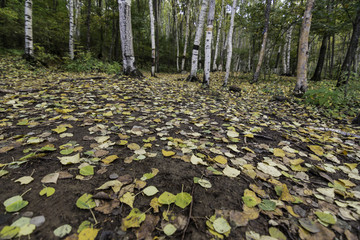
208,41
127,39
77,19
230,43
218,37
29,45
152,32
186,36
71,29
263,45
176,35
198,35
301,77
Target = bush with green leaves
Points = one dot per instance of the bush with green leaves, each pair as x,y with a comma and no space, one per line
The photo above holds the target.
335,102
85,62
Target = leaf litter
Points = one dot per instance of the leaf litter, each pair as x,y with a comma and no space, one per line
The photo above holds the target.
267,171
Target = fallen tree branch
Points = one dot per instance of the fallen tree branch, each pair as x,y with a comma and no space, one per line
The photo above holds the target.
336,131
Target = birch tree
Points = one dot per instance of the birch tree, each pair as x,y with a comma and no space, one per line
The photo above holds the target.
71,28
176,35
186,36
263,45
29,45
152,32
230,43
287,51
218,36
127,39
208,40
77,19
195,52
301,76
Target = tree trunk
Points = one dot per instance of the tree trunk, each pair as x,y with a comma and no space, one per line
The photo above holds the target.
71,29
88,25
301,76
332,56
198,35
230,43
29,45
152,31
127,39
77,19
157,27
208,40
350,55
186,36
321,60
288,51
176,35
263,45
218,37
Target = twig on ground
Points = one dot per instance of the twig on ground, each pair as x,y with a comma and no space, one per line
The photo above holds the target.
190,212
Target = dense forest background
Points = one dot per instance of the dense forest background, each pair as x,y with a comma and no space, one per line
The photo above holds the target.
97,30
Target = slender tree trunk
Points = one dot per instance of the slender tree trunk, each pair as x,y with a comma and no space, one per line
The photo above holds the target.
230,43
208,41
350,55
127,39
77,19
321,60
157,29
277,61
218,36
152,31
288,52
71,29
284,48
263,45
88,25
29,45
198,35
100,14
176,35
186,36
301,77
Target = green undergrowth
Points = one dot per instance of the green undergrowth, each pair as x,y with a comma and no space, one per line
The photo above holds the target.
332,101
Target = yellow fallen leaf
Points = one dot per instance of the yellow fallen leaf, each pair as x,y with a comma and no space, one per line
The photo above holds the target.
316,149
64,111
352,166
133,146
108,114
220,159
347,183
249,135
298,168
285,195
88,234
248,149
278,152
167,153
291,211
109,159
128,198
314,157
154,203
296,161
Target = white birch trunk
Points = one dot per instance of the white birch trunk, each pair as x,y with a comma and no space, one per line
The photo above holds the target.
186,36
127,39
29,44
208,41
288,52
198,35
176,37
284,51
218,36
152,31
71,29
301,77
230,43
77,19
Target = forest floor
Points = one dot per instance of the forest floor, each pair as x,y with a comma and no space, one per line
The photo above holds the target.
143,159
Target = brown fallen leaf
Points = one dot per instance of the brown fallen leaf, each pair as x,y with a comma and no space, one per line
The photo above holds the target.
107,207
147,227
